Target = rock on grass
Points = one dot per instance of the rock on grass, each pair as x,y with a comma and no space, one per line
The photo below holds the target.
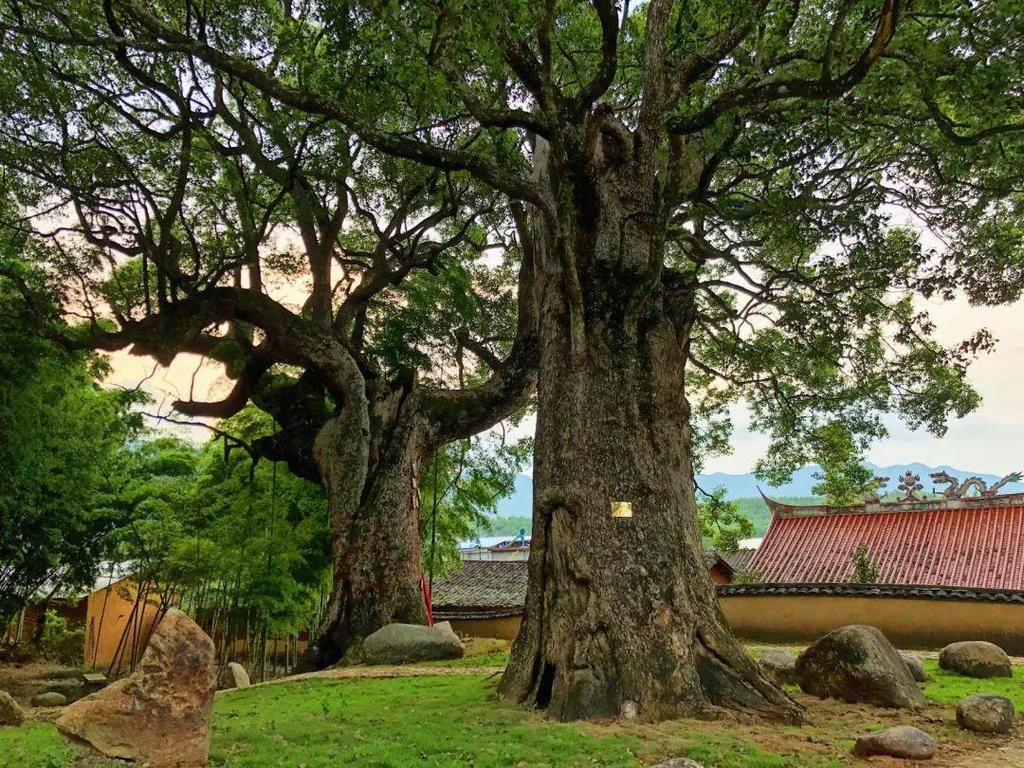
985,713
903,741
976,658
161,713
857,663
10,712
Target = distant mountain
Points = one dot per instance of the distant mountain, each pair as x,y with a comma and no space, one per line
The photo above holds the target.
519,504
744,486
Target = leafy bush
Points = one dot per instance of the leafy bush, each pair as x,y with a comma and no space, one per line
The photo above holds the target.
60,643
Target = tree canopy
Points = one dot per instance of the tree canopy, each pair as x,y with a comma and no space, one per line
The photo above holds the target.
707,202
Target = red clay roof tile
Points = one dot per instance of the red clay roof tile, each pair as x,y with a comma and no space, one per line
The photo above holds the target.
979,543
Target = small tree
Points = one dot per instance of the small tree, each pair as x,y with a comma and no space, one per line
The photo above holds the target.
722,525
865,571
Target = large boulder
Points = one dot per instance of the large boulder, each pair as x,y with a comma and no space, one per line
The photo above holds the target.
234,676
985,713
403,643
49,699
857,663
10,712
976,658
779,665
160,714
903,741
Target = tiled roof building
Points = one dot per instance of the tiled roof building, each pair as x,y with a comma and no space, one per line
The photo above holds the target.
482,589
973,542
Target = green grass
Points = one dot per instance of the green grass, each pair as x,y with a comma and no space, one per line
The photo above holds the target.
948,688
422,721
456,720
437,721
36,745
492,659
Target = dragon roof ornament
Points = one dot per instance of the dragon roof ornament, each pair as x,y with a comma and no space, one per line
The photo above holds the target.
956,494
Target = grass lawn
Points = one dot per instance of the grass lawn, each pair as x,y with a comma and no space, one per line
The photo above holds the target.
456,720
420,721
948,688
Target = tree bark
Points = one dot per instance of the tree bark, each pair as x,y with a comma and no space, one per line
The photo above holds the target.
375,527
621,615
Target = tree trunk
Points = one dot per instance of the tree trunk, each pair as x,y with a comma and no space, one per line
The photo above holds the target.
621,615
375,526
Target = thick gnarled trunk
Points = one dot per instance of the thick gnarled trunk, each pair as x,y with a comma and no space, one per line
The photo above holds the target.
375,526
621,615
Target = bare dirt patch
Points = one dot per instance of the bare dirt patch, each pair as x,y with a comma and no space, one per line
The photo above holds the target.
23,681
829,731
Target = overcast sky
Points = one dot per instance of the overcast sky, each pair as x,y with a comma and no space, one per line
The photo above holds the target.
989,440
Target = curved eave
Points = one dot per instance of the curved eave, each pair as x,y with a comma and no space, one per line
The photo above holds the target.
778,508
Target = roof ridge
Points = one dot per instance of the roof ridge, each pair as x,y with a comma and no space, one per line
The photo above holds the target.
782,509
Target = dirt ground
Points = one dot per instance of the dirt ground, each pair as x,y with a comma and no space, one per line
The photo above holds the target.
23,681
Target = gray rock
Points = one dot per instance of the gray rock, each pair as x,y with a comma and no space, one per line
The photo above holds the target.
779,665
857,663
903,741
985,713
234,676
678,762
629,710
915,667
403,643
49,699
976,658
10,712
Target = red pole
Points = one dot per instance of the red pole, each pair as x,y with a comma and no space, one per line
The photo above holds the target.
426,600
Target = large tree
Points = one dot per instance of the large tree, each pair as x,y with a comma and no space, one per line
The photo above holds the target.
714,191
367,303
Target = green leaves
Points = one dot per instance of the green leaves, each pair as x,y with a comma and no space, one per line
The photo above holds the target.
722,524
459,490
59,433
222,533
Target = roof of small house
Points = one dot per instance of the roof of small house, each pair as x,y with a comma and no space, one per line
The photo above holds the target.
740,559
482,589
970,542
713,557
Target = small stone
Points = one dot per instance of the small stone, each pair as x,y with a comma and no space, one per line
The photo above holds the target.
779,665
10,712
976,658
234,676
915,667
629,710
903,741
985,713
678,762
49,699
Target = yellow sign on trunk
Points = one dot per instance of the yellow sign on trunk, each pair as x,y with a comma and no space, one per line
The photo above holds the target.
622,509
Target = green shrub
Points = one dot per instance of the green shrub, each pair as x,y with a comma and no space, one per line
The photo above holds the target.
60,643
